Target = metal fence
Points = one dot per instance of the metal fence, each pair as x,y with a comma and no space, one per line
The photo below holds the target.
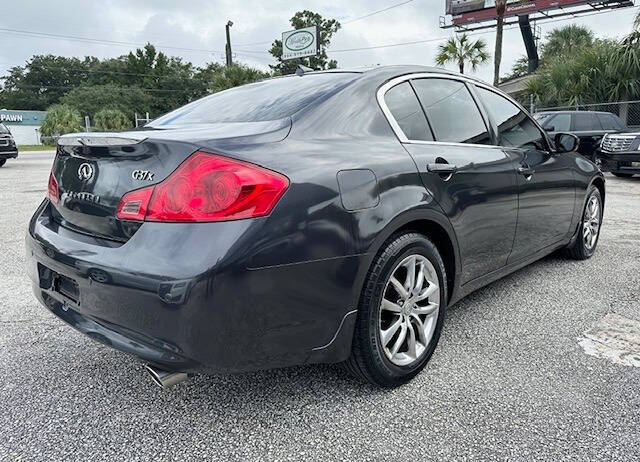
628,111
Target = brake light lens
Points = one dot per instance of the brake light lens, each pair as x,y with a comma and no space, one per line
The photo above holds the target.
52,189
206,187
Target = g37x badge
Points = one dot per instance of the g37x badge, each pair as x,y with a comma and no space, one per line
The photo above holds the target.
143,175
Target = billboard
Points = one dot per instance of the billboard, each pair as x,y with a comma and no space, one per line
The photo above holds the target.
472,11
300,43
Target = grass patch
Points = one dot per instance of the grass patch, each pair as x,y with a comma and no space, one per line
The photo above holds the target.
35,147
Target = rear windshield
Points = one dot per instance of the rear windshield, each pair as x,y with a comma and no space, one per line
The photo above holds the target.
267,100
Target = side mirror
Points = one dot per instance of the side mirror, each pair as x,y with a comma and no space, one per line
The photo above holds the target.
566,142
550,128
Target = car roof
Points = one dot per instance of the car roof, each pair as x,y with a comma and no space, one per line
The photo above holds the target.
574,112
397,70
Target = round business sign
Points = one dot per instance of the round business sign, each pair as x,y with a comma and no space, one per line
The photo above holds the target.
299,40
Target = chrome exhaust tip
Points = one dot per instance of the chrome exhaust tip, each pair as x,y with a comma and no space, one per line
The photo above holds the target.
165,379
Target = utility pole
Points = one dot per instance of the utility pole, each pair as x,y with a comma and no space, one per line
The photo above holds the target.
228,48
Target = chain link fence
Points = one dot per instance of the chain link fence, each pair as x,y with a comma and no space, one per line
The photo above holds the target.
628,111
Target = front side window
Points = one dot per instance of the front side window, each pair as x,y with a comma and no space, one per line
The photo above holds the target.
404,105
515,127
451,111
559,122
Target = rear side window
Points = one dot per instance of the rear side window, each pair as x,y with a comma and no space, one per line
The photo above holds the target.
610,122
585,121
451,111
404,105
560,123
515,127
270,99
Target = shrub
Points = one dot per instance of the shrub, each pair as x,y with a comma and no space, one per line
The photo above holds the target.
111,120
61,119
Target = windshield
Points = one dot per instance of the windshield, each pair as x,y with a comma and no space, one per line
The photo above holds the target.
3,129
267,100
541,117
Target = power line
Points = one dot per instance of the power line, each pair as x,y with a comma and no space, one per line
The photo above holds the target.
342,23
439,39
249,53
99,41
376,12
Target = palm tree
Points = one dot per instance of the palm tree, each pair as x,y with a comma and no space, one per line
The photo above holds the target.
460,50
566,41
501,7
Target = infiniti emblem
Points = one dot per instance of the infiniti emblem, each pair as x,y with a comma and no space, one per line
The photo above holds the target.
85,171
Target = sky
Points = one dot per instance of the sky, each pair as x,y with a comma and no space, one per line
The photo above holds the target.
199,26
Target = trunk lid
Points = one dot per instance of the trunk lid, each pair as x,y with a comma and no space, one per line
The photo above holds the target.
94,170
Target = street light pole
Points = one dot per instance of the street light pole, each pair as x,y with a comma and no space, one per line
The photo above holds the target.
228,47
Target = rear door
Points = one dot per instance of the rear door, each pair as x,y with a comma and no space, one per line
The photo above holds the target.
473,181
545,180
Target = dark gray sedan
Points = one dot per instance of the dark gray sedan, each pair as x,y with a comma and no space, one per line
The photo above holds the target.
319,218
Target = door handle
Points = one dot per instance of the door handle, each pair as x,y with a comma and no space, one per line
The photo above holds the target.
526,171
446,169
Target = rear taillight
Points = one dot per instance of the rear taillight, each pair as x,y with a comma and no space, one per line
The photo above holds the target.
206,187
52,189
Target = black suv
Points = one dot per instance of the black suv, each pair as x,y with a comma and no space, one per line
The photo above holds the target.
620,154
589,126
8,148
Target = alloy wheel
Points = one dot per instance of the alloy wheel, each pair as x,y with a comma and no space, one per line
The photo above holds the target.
409,310
591,222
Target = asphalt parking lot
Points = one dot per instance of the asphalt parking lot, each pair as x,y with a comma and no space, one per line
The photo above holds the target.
509,380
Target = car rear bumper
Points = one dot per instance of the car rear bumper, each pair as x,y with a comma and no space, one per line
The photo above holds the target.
620,162
188,297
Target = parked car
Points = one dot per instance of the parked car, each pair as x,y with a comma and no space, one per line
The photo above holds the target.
8,148
320,218
588,126
620,154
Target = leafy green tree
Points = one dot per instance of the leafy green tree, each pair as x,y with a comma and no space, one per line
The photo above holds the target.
302,19
111,120
606,71
88,100
460,50
565,41
216,77
61,119
140,81
42,81
520,68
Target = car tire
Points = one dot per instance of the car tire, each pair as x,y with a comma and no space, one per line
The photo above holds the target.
371,358
623,175
585,245
2,162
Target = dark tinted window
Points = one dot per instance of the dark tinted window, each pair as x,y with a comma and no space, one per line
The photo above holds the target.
403,104
268,100
451,111
515,127
585,121
610,122
560,123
